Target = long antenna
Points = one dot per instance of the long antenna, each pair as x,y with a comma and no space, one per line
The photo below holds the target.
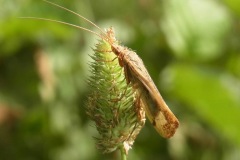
69,24
56,5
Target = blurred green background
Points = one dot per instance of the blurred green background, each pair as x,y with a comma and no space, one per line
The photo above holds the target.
190,47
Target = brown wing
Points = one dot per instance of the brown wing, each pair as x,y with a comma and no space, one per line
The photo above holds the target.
157,111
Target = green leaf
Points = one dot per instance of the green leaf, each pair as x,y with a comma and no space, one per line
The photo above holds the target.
213,95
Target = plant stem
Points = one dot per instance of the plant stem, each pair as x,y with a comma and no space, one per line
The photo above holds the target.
123,153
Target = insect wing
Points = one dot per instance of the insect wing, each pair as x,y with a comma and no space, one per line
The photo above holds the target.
156,109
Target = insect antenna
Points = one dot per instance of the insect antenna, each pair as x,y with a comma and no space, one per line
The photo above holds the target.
87,20
65,23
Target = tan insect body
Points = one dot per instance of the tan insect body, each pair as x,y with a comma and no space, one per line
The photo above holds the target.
155,107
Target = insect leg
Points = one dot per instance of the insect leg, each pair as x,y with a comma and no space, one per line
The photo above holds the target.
108,51
138,106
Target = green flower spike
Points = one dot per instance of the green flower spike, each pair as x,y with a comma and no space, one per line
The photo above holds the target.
113,105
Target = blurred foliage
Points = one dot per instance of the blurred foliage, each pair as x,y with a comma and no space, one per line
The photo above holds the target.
190,47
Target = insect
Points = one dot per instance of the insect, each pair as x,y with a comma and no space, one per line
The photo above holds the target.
157,111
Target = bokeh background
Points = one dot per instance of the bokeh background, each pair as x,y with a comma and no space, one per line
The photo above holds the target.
190,47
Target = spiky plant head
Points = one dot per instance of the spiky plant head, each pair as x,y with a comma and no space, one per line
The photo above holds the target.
113,104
